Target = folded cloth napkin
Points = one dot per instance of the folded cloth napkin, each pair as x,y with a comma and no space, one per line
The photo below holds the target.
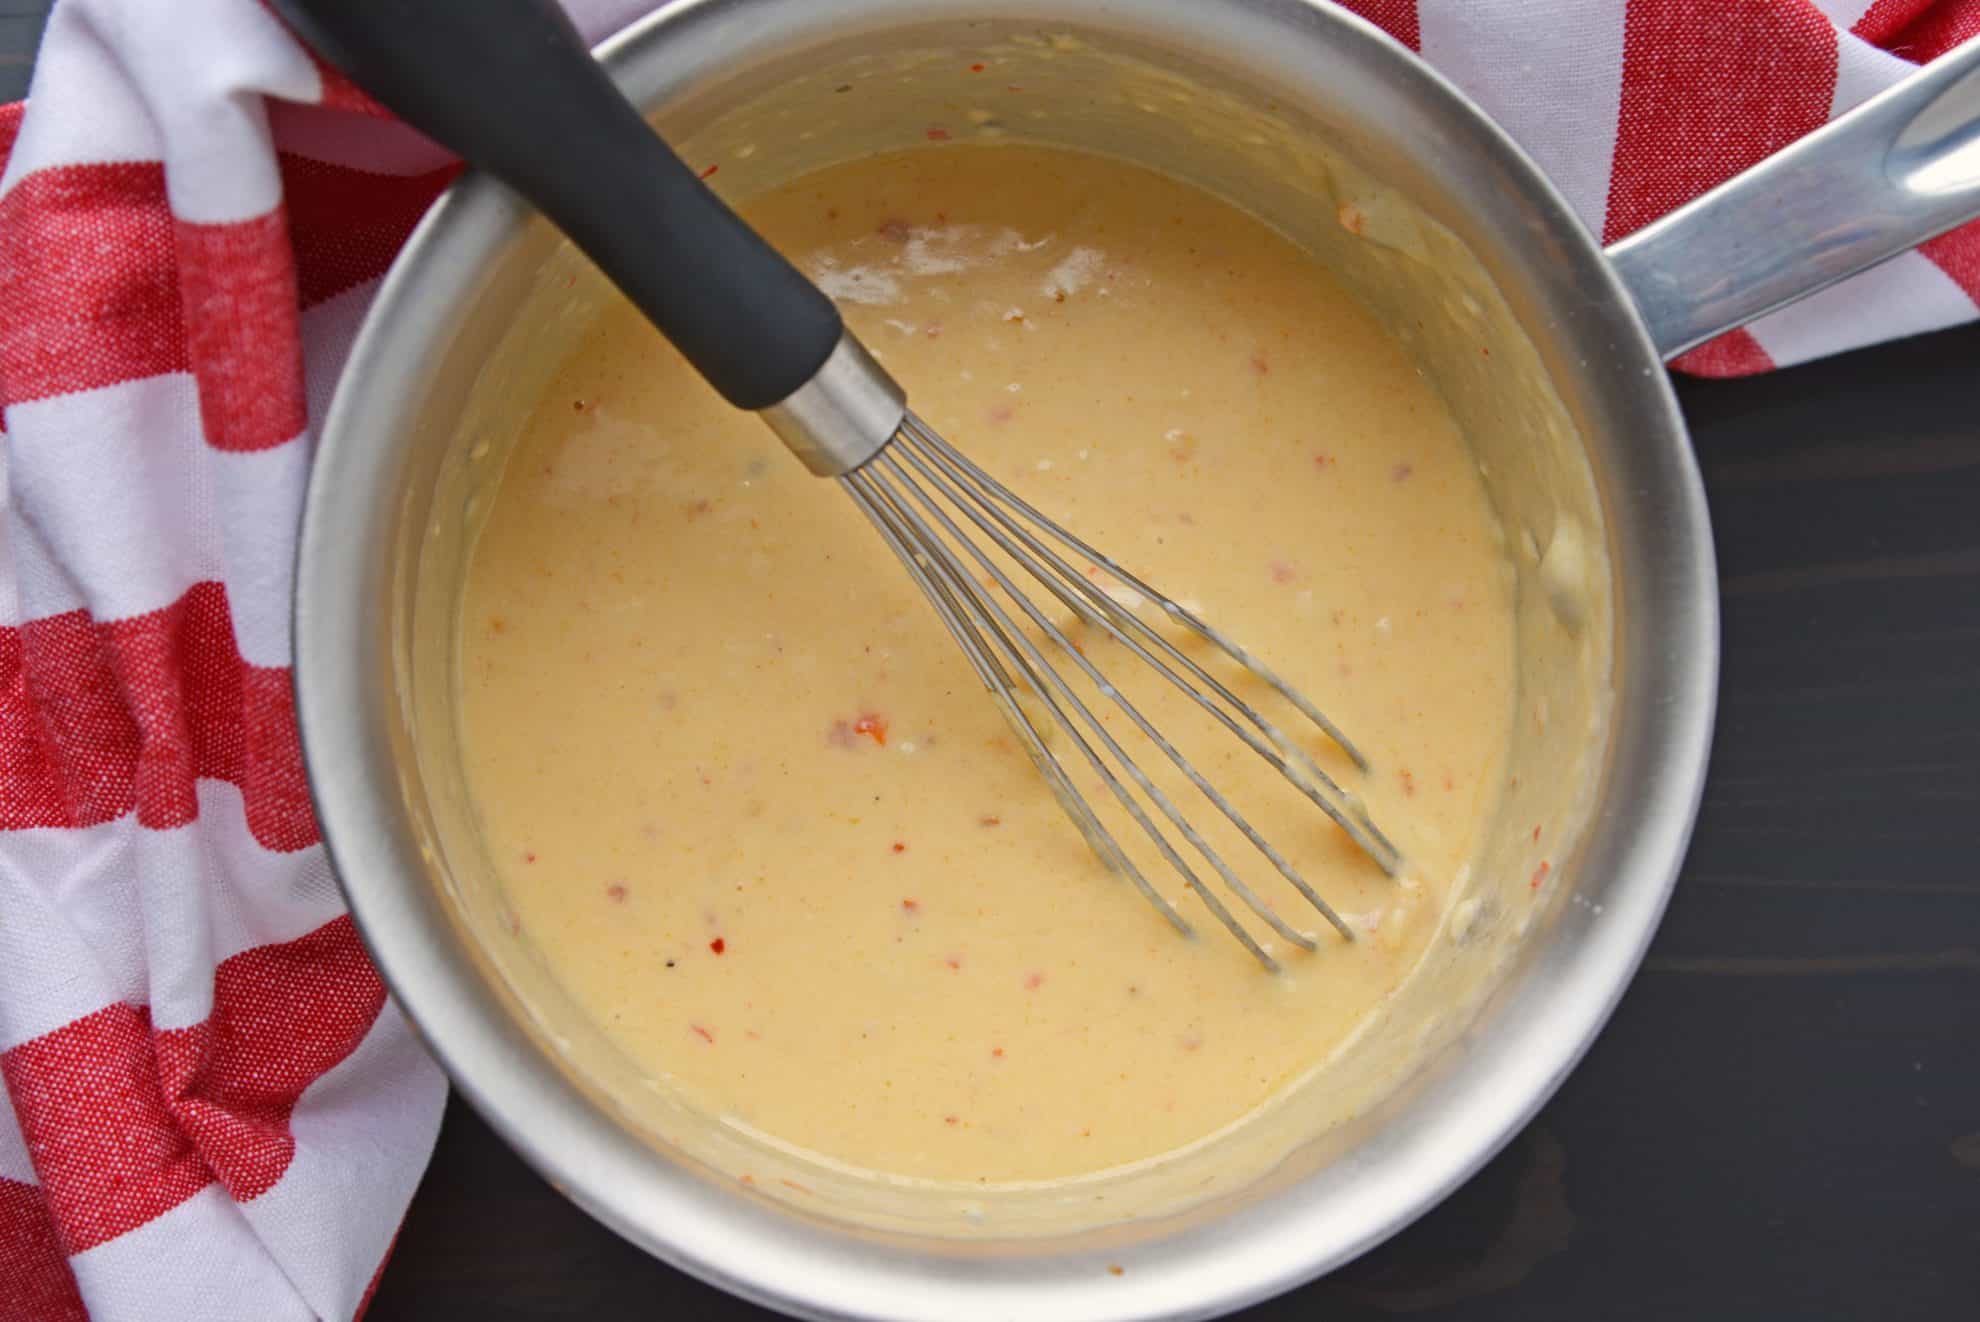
209,1108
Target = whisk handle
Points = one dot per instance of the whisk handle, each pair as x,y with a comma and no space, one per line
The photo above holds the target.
509,86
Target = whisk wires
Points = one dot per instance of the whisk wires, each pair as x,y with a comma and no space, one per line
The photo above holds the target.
942,515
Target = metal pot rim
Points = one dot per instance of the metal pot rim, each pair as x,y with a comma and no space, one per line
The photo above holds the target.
773,1257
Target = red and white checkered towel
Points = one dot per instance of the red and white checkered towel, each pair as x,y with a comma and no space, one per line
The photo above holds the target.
210,1108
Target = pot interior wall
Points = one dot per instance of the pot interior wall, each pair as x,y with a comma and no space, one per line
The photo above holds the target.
1367,202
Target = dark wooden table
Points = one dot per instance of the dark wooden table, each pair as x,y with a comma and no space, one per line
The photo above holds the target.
1783,1119
20,29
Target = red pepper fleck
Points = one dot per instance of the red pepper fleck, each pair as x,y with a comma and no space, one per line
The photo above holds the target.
954,961
617,891
1408,783
1484,352
1033,981
1260,363
873,726
578,406
900,846
746,1179
703,1034
1001,414
893,230
529,855
709,173
911,906
951,1119
988,820
1323,461
997,1053
793,1184
1401,472
1540,873
1283,572
1536,833
718,945
1115,1269
938,135
976,68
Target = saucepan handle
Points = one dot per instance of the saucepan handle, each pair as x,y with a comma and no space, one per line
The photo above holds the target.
1892,173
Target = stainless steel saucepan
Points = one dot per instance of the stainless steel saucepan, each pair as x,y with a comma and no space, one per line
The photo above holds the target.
1549,351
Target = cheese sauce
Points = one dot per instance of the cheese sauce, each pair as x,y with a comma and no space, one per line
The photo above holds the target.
751,804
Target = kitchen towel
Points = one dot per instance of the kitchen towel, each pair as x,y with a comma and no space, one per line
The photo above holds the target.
209,1107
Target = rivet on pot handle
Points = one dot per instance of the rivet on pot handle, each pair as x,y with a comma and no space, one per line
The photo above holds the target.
1896,171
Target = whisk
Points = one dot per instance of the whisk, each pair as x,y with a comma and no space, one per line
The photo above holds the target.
509,85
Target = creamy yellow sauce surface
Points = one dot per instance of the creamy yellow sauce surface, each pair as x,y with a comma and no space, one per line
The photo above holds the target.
753,808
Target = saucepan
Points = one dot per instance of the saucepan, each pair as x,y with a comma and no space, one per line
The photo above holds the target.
1550,352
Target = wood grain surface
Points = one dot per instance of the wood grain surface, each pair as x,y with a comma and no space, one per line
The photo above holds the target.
20,29
1783,1119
